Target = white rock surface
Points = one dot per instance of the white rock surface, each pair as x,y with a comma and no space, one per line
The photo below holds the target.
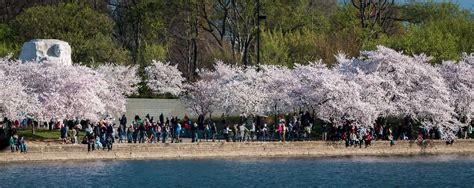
51,50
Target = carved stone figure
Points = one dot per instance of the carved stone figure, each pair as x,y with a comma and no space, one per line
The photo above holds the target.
51,50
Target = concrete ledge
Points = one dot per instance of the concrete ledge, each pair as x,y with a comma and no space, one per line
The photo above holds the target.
211,150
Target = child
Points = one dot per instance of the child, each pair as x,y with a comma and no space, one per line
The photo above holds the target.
98,144
12,144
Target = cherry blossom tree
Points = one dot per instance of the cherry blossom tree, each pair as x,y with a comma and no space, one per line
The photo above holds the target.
69,91
333,97
224,83
459,77
412,86
164,78
14,100
277,83
121,81
201,97
124,79
66,92
214,91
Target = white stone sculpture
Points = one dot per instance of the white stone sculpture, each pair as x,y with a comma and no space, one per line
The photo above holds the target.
51,50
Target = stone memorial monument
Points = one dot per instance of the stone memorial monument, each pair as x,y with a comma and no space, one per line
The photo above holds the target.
51,50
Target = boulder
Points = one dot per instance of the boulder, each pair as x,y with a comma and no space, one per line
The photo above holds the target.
51,50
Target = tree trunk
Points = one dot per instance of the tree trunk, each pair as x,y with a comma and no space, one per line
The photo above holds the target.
33,128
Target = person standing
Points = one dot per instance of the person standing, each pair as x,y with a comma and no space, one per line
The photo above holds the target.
390,137
12,144
194,131
120,132
110,131
130,135
281,131
186,129
324,131
213,131
74,136
63,134
235,130
265,132
141,133
290,131
368,138
153,132
243,132
164,132
207,131
201,126
469,131
252,132
178,131
162,119
123,122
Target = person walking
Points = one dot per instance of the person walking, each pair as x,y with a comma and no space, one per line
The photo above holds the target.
225,132
243,132
235,131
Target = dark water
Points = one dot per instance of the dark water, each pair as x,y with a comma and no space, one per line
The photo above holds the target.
415,171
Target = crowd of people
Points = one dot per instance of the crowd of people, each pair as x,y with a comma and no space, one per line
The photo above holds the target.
292,127
15,142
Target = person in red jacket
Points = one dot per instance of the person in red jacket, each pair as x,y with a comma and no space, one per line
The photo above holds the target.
368,138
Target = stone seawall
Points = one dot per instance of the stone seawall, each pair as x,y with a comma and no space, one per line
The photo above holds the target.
235,150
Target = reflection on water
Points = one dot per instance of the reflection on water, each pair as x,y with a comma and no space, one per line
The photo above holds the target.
419,171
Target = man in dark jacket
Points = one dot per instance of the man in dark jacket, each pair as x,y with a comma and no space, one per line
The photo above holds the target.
123,121
162,119
201,126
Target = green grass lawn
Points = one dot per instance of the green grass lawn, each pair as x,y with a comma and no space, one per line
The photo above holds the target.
42,134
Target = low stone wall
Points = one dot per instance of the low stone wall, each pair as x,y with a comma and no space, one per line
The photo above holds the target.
212,150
